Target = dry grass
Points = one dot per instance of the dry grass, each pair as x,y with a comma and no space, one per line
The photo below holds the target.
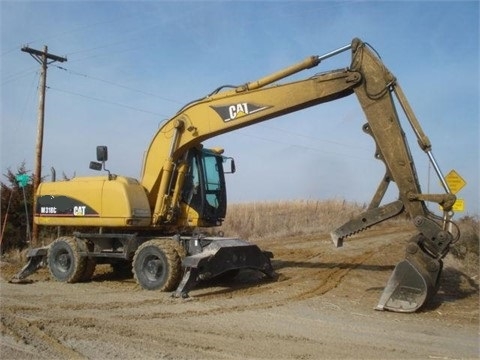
285,218
15,256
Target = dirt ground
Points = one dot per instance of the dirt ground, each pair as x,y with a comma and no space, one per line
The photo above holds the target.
320,307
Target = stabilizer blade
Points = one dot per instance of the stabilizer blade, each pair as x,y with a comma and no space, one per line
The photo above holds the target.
36,259
219,257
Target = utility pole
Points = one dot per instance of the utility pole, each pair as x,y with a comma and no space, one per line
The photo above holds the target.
43,58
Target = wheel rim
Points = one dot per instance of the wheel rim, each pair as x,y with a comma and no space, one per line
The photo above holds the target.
63,261
153,268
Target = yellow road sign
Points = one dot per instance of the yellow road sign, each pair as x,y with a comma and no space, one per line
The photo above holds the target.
454,181
459,205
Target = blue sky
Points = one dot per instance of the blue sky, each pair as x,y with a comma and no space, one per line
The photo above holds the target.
131,65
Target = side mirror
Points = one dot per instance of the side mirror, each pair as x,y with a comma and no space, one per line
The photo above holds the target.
102,156
95,165
102,153
232,165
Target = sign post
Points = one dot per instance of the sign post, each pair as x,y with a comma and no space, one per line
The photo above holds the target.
23,180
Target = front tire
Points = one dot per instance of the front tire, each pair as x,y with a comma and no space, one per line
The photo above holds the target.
157,265
64,261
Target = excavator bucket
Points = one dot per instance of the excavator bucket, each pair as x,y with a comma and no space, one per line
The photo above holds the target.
413,282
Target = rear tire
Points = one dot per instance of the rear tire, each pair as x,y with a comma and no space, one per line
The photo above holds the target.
157,265
64,261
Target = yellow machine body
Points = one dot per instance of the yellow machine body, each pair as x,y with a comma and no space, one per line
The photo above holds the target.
93,201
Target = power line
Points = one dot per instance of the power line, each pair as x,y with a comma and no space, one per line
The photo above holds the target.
108,102
118,85
313,137
18,75
303,146
6,52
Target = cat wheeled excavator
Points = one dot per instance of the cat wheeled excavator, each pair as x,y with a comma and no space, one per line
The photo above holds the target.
151,225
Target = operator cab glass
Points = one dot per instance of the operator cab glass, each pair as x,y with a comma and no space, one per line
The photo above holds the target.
204,187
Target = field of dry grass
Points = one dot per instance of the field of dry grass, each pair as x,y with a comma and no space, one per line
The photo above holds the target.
287,218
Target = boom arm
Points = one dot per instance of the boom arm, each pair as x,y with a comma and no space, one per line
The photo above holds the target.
228,111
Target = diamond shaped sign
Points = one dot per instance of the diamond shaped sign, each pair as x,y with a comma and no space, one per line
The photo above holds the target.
454,181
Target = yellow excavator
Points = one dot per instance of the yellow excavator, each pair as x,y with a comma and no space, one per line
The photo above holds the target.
151,225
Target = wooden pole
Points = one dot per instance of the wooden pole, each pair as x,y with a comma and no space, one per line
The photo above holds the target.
42,57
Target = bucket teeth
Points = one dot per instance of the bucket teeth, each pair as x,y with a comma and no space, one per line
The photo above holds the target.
365,220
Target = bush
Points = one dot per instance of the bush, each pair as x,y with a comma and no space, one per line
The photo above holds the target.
467,246
14,219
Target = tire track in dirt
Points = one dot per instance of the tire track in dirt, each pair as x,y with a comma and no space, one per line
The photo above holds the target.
298,281
294,284
305,271
27,332
112,318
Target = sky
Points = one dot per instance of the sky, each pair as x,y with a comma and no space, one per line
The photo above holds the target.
133,64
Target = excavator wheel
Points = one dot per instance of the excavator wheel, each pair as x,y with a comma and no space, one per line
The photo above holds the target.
64,260
90,262
157,265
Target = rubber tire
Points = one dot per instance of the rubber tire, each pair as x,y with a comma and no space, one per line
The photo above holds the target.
89,270
91,262
64,261
165,274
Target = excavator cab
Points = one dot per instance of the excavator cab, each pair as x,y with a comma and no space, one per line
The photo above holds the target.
204,189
